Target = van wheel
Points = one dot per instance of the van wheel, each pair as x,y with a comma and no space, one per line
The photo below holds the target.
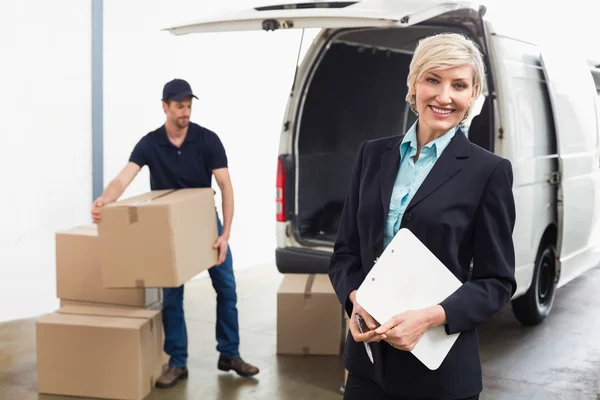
535,305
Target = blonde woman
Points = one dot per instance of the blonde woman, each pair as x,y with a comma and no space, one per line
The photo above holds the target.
457,199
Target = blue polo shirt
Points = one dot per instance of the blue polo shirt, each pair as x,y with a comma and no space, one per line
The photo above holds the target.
189,166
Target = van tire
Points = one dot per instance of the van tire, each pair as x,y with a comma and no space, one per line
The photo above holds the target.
535,305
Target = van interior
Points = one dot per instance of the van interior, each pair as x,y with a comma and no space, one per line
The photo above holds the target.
356,92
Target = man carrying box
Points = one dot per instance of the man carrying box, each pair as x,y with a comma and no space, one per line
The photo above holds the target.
181,154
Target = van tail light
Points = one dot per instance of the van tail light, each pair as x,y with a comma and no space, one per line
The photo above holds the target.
280,196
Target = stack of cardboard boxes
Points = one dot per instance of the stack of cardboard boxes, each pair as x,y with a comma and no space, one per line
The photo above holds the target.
106,339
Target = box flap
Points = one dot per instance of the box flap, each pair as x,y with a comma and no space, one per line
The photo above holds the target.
121,312
87,230
59,318
307,284
141,199
183,195
293,283
153,301
322,285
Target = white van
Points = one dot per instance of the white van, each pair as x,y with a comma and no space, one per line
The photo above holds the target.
539,109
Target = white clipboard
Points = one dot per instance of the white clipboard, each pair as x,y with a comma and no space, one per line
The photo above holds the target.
409,276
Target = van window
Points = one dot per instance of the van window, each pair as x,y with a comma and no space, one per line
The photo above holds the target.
530,118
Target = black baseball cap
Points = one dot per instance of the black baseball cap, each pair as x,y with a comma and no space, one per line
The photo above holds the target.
177,90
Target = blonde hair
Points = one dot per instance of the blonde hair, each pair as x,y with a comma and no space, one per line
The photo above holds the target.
443,51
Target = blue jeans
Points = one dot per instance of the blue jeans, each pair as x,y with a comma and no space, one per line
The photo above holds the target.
227,332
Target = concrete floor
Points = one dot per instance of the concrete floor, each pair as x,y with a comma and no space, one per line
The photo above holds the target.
558,360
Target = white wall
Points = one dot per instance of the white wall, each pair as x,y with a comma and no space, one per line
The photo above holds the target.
243,81
565,24
45,151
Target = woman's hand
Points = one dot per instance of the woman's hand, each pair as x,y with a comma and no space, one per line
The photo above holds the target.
369,324
404,331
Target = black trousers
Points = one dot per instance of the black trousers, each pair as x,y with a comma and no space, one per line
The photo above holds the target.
358,388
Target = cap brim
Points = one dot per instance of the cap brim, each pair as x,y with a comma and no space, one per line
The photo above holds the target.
181,96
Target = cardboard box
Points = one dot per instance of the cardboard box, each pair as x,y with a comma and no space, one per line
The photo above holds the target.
309,316
99,352
158,239
79,272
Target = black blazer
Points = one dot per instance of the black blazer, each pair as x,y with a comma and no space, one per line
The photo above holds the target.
463,211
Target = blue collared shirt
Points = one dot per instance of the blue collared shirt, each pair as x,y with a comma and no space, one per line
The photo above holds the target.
411,175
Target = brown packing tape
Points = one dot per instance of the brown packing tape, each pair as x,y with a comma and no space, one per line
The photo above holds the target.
139,203
133,215
308,288
308,292
132,209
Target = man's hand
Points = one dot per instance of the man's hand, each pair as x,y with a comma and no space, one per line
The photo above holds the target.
99,203
115,189
405,330
221,244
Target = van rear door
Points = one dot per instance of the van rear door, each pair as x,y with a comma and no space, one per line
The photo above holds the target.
324,14
572,95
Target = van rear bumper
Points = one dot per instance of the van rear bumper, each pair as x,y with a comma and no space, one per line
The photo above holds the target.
301,261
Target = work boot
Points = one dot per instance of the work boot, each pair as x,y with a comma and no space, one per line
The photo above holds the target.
170,377
238,365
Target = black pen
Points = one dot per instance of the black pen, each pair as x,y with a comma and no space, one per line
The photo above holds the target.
361,329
